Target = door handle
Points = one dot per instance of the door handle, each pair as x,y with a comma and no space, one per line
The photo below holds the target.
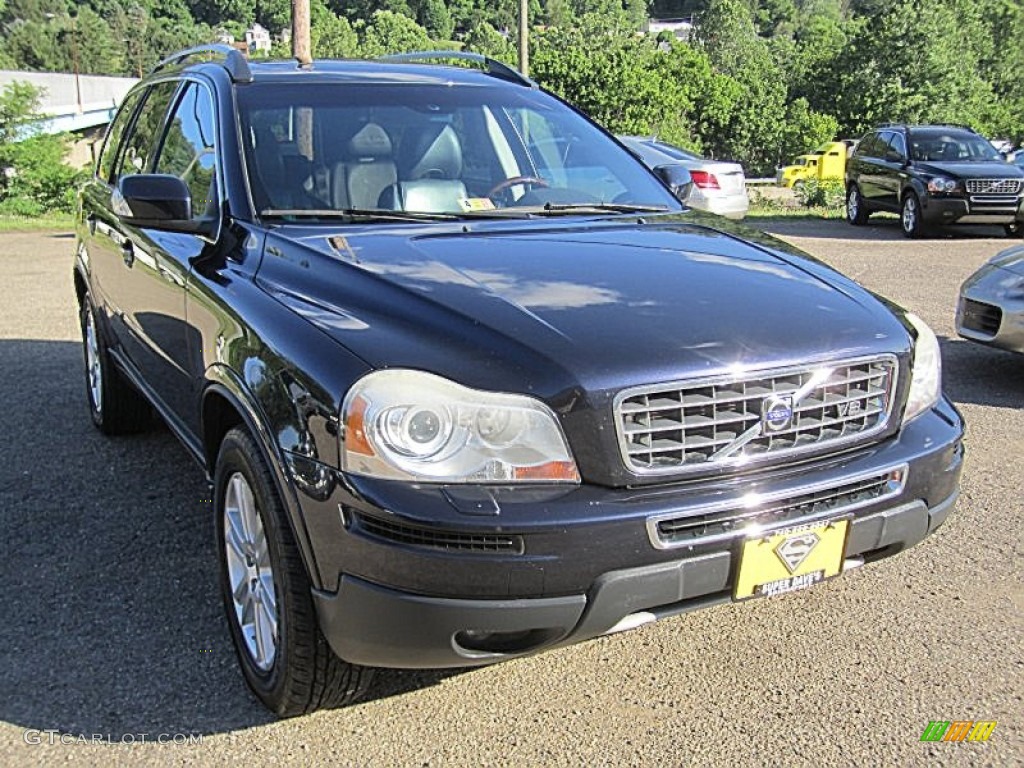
127,252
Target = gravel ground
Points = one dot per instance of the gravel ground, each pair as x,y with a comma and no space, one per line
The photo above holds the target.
113,626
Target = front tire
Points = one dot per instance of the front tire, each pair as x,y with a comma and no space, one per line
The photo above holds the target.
284,656
115,406
856,212
910,216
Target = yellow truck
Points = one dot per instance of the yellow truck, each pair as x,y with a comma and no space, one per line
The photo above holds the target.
826,162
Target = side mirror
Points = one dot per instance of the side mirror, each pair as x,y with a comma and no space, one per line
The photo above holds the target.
677,178
156,201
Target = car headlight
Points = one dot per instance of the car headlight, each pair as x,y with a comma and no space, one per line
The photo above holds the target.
926,379
941,185
412,425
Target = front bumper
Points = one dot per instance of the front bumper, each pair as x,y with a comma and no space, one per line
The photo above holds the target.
991,308
973,210
557,567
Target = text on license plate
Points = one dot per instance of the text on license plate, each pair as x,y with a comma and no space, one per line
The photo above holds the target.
795,558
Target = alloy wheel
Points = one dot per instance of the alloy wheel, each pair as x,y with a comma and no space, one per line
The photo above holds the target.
250,573
910,214
93,366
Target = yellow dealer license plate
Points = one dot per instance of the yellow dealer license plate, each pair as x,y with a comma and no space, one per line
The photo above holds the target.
795,558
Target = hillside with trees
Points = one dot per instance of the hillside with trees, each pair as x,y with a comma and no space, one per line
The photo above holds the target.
757,80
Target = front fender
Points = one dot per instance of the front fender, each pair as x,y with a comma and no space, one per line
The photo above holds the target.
223,382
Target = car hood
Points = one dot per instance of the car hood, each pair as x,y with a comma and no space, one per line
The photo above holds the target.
1012,260
968,170
551,307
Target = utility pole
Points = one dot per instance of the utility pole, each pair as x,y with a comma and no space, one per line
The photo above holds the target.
302,49
524,37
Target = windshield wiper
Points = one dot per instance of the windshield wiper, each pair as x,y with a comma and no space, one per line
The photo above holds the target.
357,214
556,208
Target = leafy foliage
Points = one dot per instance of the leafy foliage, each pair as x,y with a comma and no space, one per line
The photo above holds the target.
33,176
821,193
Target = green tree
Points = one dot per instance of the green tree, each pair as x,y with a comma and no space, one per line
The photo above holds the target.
752,132
435,18
627,83
332,36
916,62
33,176
275,15
217,12
485,39
390,32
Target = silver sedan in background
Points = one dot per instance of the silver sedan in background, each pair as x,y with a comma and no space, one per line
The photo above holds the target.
991,307
719,187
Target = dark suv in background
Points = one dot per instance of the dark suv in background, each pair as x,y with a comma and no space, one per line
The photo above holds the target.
932,175
469,381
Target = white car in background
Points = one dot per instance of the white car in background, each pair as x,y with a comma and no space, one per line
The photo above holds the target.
718,187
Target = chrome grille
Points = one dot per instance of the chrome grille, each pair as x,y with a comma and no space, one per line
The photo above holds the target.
689,426
736,518
993,186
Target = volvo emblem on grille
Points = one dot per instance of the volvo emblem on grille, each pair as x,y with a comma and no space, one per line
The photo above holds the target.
794,550
777,413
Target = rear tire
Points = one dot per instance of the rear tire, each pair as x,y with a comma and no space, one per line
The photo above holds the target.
284,656
856,212
910,216
115,405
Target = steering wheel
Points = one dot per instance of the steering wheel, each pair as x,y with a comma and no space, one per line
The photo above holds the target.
501,186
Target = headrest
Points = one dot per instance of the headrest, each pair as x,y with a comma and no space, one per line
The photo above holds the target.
430,152
370,141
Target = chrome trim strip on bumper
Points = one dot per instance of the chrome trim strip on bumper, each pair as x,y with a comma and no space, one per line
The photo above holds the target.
755,505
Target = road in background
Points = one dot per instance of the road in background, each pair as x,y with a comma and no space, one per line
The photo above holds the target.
112,621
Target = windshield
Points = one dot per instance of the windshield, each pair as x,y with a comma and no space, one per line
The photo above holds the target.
449,151
951,147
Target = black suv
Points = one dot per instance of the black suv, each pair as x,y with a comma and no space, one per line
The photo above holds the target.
468,380
932,175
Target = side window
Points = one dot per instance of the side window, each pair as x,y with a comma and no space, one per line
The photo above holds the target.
898,144
882,147
105,162
136,155
872,146
188,149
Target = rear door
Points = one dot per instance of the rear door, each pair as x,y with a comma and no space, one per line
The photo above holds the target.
893,171
868,168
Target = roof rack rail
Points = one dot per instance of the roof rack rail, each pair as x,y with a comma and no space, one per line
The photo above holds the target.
492,67
233,60
957,125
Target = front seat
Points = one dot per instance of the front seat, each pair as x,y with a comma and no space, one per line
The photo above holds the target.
429,166
368,169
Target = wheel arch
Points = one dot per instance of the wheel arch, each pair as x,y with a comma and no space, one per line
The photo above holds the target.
913,185
226,403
